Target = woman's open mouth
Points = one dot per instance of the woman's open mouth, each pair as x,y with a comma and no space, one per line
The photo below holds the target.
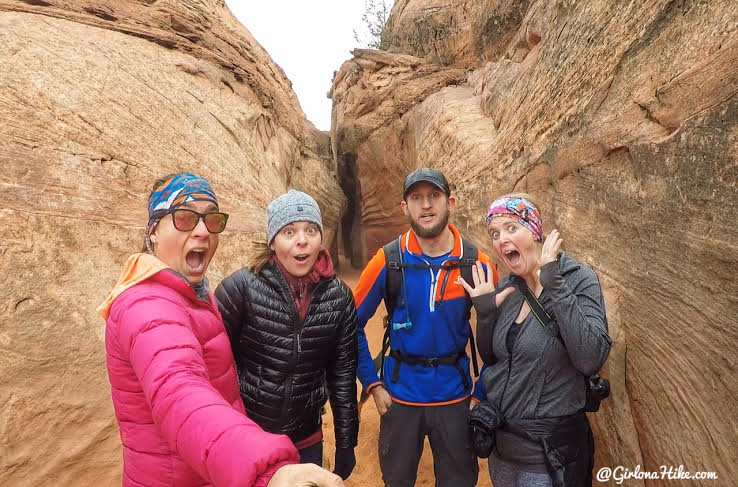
512,257
302,258
196,260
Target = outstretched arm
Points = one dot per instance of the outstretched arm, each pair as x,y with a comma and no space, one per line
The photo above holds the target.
219,442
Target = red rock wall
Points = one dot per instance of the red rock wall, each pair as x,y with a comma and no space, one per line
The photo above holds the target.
622,120
97,100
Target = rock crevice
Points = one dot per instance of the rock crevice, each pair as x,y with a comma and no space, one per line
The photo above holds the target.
621,120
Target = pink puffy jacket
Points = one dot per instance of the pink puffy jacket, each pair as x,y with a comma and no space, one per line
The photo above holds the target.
175,393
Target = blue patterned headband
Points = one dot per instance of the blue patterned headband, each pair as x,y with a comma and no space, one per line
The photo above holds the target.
178,190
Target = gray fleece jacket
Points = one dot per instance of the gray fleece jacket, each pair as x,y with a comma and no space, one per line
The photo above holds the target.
542,378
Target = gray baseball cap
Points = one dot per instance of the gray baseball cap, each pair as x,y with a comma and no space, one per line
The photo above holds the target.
427,175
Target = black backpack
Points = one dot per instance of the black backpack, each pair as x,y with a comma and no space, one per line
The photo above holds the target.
394,289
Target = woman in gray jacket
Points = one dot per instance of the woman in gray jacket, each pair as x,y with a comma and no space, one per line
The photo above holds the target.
535,373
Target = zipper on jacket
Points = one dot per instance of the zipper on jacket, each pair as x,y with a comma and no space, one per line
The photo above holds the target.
445,277
290,300
510,357
296,343
289,379
434,284
509,366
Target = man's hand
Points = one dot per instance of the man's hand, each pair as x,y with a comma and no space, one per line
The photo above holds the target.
382,399
483,285
304,475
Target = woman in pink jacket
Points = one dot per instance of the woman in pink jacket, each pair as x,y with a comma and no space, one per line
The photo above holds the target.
173,382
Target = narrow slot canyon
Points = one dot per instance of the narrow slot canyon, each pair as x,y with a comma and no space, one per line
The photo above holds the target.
621,119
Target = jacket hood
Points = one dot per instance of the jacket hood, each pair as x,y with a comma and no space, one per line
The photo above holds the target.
138,267
323,267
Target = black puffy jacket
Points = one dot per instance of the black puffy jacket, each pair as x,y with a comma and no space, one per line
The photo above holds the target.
284,369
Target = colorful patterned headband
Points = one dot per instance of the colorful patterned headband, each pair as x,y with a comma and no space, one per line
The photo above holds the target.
176,191
518,209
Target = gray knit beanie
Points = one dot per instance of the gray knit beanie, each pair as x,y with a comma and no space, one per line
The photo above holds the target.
293,206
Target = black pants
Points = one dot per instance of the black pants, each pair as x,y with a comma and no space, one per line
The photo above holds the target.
402,431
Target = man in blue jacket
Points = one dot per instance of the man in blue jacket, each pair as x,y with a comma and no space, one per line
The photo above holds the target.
426,384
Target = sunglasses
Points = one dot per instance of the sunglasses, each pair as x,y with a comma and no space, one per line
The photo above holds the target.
186,220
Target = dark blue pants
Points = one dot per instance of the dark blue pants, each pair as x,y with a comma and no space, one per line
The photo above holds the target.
312,454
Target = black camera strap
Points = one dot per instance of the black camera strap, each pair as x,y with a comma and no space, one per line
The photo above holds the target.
592,401
540,313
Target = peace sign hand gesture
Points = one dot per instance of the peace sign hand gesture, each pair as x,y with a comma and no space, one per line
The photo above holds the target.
483,285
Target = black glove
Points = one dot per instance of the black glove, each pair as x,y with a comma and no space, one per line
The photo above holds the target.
484,419
345,462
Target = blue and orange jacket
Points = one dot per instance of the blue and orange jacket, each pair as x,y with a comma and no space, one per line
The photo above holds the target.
439,325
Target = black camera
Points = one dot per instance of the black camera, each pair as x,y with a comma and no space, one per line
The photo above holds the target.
597,390
484,420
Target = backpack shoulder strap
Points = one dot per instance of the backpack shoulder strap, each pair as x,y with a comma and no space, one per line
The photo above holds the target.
392,288
469,256
468,259
393,274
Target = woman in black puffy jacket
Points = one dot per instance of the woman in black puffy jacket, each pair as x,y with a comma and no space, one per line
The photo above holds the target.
292,327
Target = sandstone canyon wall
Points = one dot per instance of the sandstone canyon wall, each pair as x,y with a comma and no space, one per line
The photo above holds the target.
621,118
98,98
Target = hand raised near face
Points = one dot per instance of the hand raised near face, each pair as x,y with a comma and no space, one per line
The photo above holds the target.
551,246
483,284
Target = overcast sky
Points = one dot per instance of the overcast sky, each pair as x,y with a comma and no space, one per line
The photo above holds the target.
308,40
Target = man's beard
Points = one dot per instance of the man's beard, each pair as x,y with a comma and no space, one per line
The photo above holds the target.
431,232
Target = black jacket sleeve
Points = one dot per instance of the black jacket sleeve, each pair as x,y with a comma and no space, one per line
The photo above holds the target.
341,376
486,321
232,303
